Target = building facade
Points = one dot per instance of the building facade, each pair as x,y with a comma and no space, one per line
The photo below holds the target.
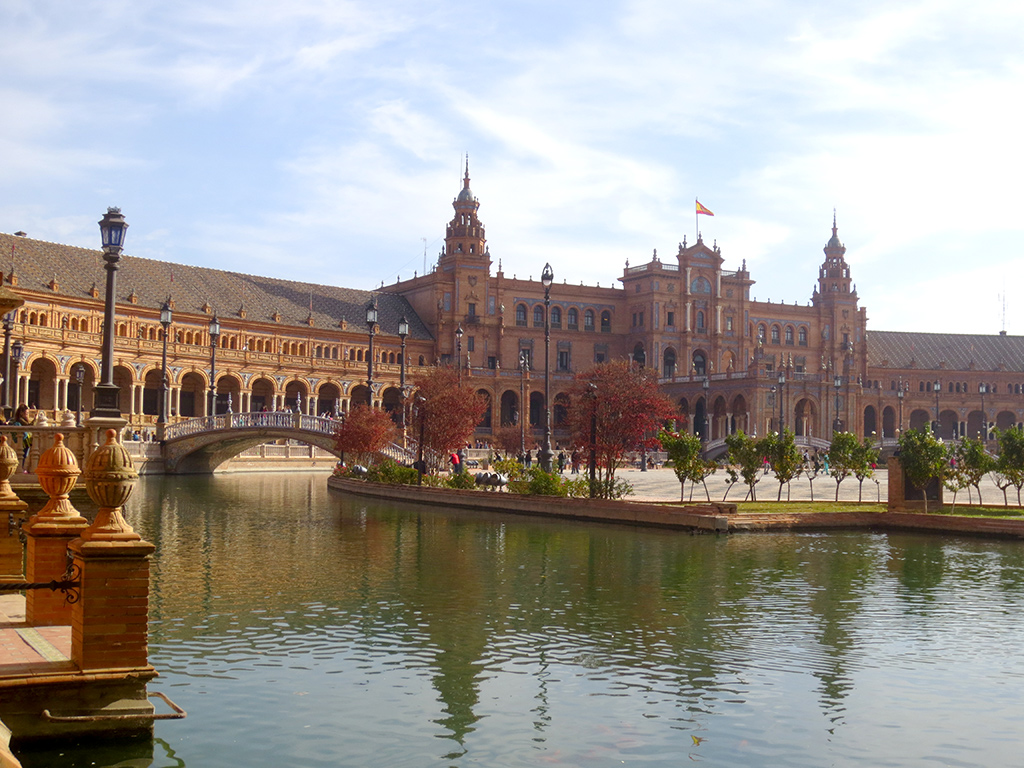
730,363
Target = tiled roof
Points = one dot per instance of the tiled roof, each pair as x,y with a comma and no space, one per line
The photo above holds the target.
76,270
952,351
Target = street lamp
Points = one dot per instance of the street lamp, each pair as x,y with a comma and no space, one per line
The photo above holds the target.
403,331
371,324
984,420
782,417
524,366
80,377
106,394
17,353
458,351
8,326
899,396
214,335
421,403
937,386
592,392
546,278
707,432
837,423
166,317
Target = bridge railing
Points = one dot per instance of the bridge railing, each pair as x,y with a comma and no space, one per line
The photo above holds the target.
258,420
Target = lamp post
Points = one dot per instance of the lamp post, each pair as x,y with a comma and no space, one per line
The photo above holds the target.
214,335
782,417
79,378
166,317
546,278
458,351
707,431
8,326
937,386
421,402
106,394
984,420
524,366
371,324
592,392
403,331
899,396
17,353
837,423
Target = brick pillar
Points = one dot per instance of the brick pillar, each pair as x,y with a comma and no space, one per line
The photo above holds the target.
49,533
897,488
110,623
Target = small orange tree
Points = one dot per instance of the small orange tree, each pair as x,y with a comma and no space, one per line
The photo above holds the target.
365,432
444,413
626,409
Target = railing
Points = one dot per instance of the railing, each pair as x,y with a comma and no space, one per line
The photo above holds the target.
259,420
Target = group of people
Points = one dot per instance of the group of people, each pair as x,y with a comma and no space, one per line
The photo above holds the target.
24,440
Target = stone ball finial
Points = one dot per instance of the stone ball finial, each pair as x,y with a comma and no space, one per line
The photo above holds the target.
109,480
9,500
58,472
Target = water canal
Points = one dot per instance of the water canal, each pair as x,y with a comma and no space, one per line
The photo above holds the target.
302,628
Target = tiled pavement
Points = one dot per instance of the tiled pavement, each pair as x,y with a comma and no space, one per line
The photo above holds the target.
30,651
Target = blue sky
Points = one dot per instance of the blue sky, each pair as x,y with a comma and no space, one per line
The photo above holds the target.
323,141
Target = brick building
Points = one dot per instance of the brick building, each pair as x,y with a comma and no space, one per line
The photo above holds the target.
730,362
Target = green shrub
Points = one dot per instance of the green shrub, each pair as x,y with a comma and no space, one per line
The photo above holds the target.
462,481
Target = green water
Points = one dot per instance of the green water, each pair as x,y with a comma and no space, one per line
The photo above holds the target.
302,628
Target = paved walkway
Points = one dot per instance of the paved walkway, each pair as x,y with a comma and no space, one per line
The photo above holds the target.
30,651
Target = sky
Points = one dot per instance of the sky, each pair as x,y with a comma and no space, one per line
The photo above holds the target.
324,141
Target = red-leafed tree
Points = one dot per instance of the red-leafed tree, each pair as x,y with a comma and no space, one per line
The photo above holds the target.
508,439
444,413
365,432
623,404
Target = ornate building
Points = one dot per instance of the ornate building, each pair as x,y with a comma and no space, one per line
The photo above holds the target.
729,362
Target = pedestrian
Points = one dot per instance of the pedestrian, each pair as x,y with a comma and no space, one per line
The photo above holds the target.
529,459
21,419
561,462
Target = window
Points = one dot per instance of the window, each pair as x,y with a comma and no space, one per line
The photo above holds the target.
634,319
775,334
670,319
447,301
700,321
556,317
563,360
762,334
472,309
492,362
490,305
471,343
572,319
728,324
538,316
802,337
641,319
700,285
606,322
526,355
588,320
520,314
789,335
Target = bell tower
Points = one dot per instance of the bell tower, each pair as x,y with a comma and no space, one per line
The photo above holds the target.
465,240
834,274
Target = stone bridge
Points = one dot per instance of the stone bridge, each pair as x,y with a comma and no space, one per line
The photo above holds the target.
198,446
717,448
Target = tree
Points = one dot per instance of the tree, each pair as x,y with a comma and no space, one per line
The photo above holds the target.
842,456
785,458
365,432
745,452
923,457
626,408
508,439
684,450
446,413
1010,464
969,463
865,458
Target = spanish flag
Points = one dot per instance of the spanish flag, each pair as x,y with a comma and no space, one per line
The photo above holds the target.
702,209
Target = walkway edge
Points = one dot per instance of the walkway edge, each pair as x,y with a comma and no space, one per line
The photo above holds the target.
699,517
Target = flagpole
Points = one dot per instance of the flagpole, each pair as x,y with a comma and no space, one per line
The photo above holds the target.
696,220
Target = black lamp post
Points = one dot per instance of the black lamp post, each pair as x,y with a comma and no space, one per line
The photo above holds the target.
837,423
937,386
899,396
984,420
706,384
79,378
547,277
782,417
17,353
458,351
403,331
166,317
524,366
214,335
8,326
106,394
421,402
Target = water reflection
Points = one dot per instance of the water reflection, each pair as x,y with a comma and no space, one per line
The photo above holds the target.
322,630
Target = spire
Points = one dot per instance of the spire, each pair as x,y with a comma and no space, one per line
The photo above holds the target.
465,178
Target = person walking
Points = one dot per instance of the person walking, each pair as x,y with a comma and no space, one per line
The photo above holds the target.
21,419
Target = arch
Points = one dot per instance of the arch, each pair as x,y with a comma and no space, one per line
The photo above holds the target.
762,333
668,362
328,399
42,384
606,322
358,395
639,355
572,318
949,425
391,400
683,407
789,335
261,394
537,410
718,415
870,420
700,285
740,419
79,394
556,317
124,378
588,320
509,408
560,411
1005,420
293,391
802,336
151,392
775,334
538,315
486,419
700,419
888,421
190,395
520,314
700,363
919,418
806,418
228,393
